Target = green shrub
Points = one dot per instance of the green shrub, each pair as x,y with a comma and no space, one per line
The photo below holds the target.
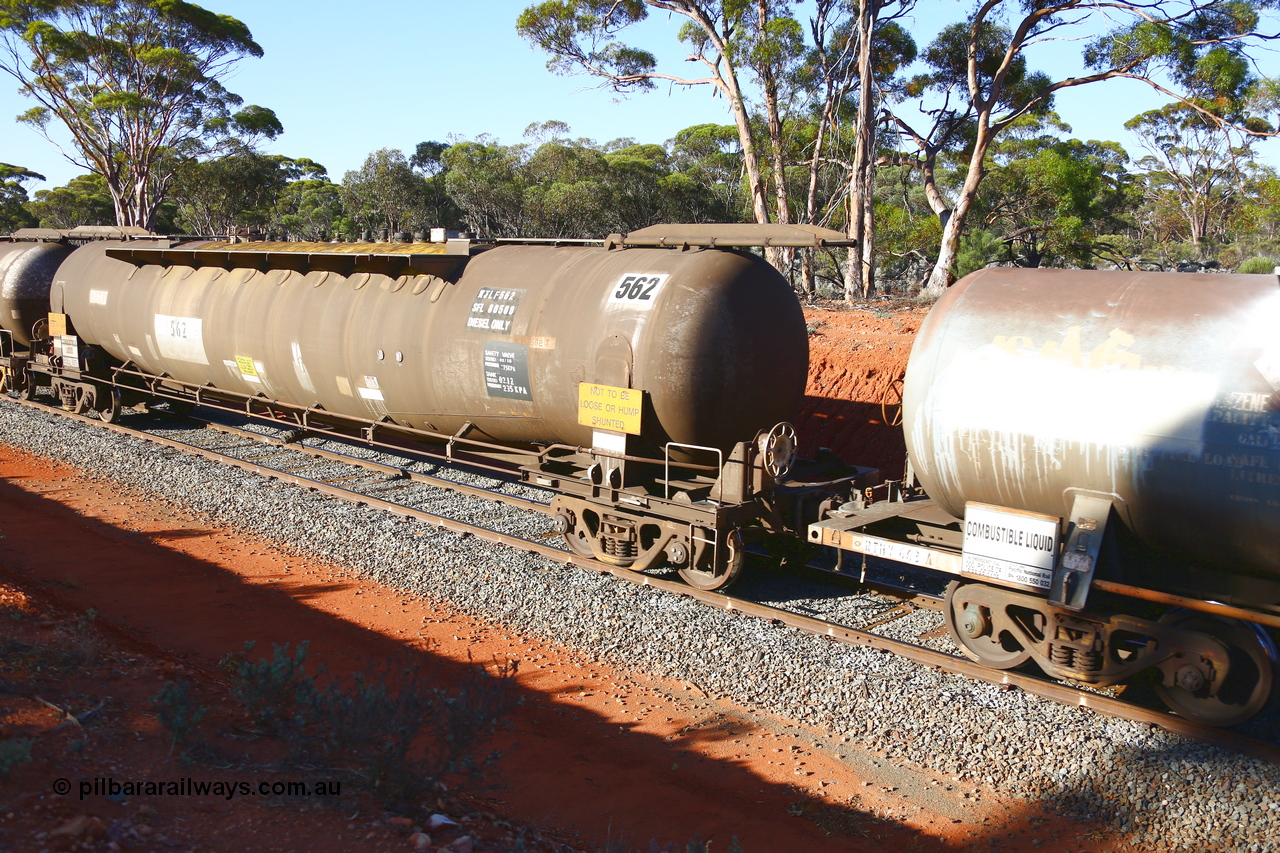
177,713
14,753
403,733
276,692
399,731
1257,265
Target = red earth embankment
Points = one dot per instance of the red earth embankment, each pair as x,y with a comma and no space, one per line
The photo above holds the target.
855,359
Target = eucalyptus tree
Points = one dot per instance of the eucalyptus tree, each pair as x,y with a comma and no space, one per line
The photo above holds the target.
235,191
857,48
485,180
384,193
13,197
729,40
1194,51
137,84
709,155
439,210
83,200
1050,199
310,208
1200,162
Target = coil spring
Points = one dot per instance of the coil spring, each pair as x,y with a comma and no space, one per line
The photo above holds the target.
1088,661
620,548
1064,656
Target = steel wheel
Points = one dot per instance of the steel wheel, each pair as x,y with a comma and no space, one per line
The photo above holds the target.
111,413
724,572
974,628
1249,681
579,542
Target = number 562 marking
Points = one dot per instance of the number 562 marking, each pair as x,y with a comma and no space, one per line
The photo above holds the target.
637,289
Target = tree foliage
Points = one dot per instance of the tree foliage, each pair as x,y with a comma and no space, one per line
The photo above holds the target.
727,40
384,194
136,83
1198,161
13,197
1193,50
310,209
84,200
236,192
1050,199
573,188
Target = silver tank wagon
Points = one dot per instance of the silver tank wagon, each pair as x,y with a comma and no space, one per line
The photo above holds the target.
1158,392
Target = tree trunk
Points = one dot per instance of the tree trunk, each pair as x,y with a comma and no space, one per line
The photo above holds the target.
807,273
836,88
860,277
953,226
780,258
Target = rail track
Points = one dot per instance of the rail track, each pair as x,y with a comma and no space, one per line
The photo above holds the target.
289,457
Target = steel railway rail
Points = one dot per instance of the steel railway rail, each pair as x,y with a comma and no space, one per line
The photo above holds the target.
1034,684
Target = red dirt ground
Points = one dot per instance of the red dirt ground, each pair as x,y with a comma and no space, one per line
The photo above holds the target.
855,358
594,756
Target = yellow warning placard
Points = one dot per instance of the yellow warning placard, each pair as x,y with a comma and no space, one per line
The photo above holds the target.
607,407
57,325
246,365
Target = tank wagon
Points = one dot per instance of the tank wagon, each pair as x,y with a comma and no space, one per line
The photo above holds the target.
1085,441
647,381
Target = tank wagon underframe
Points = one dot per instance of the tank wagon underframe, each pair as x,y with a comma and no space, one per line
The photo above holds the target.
628,511
1214,662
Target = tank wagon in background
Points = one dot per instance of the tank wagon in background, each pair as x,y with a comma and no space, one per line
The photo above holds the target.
1094,458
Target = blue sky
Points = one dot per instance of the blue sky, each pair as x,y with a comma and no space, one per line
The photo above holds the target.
346,79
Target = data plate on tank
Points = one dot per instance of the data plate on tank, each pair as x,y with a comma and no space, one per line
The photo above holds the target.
608,408
506,370
1009,546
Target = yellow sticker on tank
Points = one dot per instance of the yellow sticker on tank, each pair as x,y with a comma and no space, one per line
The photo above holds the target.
247,367
607,407
57,325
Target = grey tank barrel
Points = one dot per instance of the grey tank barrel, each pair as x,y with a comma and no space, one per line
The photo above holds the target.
1155,391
